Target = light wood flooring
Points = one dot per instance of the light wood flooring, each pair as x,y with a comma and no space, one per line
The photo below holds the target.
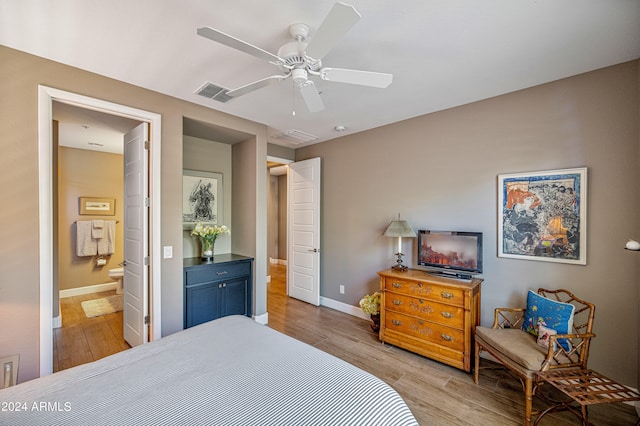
437,394
81,339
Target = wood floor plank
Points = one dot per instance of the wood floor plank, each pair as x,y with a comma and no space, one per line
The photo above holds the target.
81,339
436,393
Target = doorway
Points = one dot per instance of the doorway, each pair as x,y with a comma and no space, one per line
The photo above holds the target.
277,250
46,97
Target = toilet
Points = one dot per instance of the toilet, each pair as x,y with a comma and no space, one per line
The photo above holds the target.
117,274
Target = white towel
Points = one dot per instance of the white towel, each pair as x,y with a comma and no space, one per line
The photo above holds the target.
85,245
107,244
97,229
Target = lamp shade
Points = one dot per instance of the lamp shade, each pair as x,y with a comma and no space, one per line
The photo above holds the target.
399,228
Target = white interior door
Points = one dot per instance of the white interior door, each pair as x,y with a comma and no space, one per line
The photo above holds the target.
136,238
303,271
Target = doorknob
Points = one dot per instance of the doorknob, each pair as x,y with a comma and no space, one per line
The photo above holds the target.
315,250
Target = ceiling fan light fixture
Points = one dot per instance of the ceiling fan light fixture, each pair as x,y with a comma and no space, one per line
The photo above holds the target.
299,75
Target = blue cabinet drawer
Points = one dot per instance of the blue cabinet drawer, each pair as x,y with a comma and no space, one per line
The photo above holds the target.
210,273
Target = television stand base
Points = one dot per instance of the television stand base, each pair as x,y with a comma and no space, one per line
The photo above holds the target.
459,275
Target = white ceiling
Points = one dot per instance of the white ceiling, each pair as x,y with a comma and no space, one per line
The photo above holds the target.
442,53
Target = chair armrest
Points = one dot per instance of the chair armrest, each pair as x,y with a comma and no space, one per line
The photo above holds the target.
508,317
559,357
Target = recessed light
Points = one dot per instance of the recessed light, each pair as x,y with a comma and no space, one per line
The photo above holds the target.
339,128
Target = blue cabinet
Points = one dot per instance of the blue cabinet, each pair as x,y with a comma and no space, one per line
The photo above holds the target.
218,288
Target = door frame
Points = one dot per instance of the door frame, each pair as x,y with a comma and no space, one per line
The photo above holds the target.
46,97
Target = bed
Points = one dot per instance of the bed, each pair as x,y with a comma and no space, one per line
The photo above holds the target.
231,371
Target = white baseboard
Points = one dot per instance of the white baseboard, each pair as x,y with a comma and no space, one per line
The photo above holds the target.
262,319
88,289
343,307
277,261
57,321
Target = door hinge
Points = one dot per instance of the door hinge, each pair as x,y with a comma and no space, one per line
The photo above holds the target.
147,319
147,145
147,201
147,261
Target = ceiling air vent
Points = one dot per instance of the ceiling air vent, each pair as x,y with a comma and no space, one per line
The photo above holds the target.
294,136
212,91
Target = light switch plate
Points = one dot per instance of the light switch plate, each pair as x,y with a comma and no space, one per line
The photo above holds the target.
168,252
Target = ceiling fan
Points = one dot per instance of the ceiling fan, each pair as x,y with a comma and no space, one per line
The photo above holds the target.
302,57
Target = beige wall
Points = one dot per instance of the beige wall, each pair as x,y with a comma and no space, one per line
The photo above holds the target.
20,75
440,172
209,156
85,173
277,217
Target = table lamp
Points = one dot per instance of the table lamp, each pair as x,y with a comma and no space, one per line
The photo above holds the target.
399,228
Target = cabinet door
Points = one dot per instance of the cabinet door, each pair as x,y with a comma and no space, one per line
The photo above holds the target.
234,301
202,303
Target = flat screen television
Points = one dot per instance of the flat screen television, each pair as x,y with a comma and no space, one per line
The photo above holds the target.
454,253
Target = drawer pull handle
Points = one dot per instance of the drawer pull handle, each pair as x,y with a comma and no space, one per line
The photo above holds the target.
396,322
397,302
222,285
396,285
446,295
447,314
221,273
446,337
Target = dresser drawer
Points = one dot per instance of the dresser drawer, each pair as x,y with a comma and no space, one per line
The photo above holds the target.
209,273
425,290
425,330
451,316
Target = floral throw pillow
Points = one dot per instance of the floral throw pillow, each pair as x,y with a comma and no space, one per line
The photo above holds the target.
544,334
548,313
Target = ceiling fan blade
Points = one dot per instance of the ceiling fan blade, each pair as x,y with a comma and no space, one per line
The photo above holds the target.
363,78
247,88
227,40
339,20
311,96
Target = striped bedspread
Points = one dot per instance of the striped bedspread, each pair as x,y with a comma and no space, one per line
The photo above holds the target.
231,371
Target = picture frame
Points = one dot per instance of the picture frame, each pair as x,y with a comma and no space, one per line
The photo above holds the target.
543,216
97,206
202,198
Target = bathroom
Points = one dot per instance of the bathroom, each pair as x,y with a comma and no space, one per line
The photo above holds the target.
87,167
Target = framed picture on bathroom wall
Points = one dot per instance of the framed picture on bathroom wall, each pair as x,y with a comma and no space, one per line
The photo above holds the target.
201,198
542,216
97,206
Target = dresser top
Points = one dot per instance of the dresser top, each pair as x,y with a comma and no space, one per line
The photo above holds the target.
435,278
218,258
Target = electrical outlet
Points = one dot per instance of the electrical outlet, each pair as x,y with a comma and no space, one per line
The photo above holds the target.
341,289
9,371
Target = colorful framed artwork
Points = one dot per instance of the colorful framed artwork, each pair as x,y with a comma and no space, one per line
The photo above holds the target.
201,198
97,206
542,216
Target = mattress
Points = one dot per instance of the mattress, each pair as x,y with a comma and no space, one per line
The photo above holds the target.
231,371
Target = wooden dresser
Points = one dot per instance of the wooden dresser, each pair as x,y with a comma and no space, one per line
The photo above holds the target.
430,315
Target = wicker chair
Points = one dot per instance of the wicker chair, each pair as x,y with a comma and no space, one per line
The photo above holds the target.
519,352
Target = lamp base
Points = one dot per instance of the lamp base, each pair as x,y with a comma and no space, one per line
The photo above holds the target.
399,266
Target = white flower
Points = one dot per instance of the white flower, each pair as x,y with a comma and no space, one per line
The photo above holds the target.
203,231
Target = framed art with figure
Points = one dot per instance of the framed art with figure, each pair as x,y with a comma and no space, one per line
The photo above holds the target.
201,198
542,216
